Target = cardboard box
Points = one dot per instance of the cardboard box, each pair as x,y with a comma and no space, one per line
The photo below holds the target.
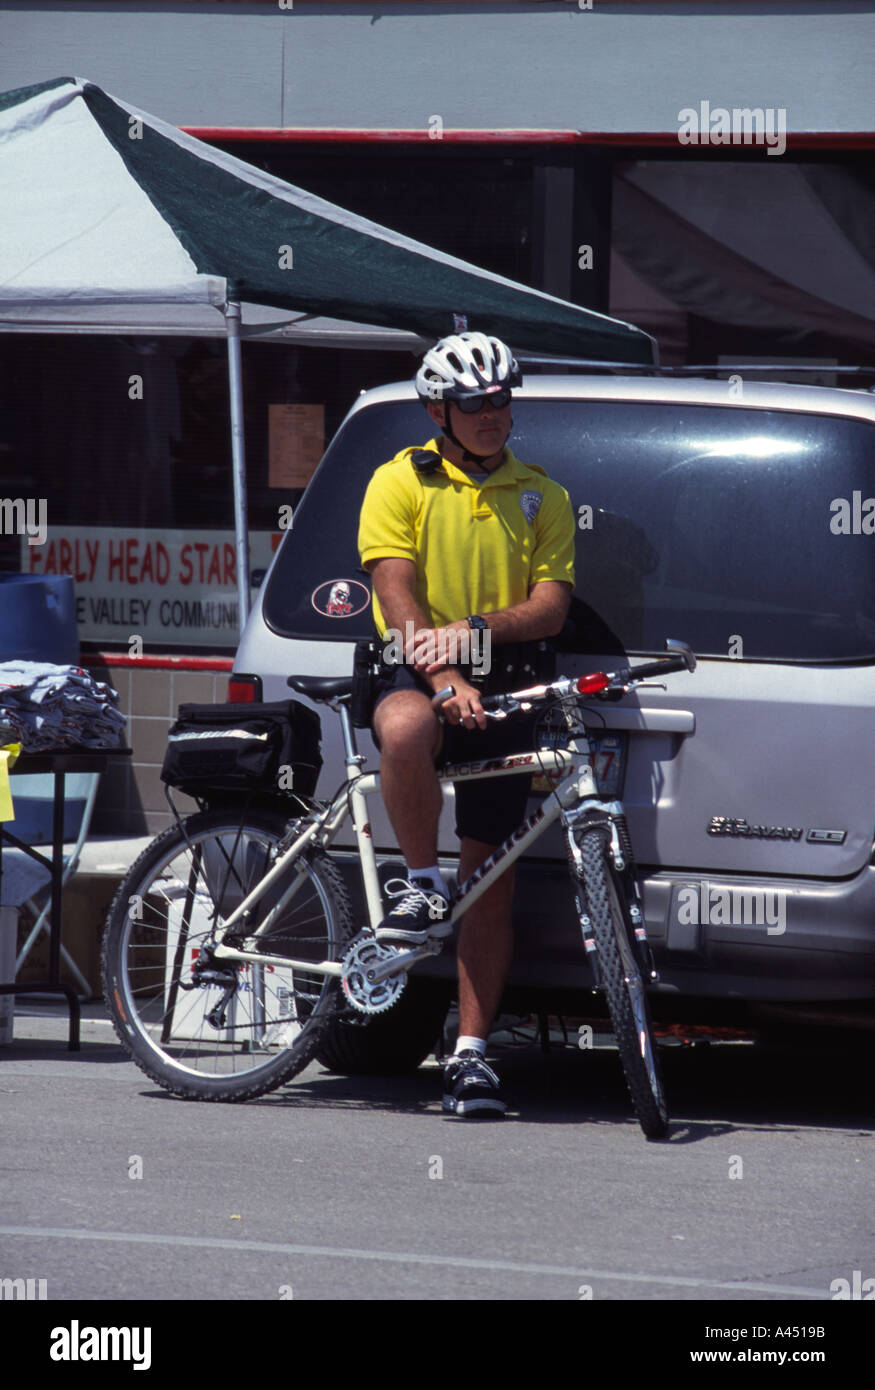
86,902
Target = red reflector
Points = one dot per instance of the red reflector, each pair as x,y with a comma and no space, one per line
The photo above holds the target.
241,690
588,685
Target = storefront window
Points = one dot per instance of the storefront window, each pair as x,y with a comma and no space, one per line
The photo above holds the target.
725,259
124,445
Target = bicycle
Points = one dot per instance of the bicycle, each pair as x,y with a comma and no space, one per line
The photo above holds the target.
230,946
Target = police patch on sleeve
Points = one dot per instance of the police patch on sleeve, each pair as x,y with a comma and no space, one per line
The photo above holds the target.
530,502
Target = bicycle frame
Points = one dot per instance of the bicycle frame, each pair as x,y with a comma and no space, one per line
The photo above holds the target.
576,787
207,1052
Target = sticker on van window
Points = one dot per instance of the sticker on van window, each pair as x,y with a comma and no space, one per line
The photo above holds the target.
340,598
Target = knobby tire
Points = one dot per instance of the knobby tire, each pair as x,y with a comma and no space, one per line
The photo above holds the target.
621,982
157,925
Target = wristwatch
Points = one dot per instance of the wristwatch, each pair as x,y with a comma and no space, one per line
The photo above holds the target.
478,623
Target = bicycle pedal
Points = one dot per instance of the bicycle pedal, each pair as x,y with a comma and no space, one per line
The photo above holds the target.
403,959
432,947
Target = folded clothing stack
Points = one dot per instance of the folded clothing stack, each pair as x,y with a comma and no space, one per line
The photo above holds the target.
50,707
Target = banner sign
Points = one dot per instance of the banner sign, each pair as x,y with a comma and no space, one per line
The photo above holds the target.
175,588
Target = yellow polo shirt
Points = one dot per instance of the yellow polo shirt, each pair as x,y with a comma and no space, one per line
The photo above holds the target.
477,546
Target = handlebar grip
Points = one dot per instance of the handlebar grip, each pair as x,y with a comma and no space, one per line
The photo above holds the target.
654,668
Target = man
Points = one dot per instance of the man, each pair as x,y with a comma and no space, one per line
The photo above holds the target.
460,538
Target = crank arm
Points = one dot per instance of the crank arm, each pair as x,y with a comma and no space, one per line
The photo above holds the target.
404,960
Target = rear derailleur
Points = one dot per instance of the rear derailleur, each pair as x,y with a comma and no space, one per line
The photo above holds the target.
205,971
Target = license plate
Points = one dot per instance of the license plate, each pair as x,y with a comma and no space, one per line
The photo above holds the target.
608,752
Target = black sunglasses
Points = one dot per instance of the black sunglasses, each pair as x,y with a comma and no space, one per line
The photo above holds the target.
470,405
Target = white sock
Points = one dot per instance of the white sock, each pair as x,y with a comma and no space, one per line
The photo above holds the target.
464,1043
434,876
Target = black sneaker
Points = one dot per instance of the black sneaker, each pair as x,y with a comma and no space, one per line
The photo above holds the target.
470,1086
421,912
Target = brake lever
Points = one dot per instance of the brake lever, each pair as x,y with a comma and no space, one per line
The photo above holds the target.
517,707
616,692
449,691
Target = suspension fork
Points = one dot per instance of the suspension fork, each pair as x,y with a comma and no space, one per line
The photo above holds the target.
624,862
610,815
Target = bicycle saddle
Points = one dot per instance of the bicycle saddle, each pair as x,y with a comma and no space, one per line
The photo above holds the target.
321,687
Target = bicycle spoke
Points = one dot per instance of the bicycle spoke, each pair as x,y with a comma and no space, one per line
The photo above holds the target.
196,1023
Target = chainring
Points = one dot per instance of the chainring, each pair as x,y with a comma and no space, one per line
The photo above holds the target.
360,992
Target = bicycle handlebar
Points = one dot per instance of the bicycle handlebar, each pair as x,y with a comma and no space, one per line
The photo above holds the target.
649,668
594,684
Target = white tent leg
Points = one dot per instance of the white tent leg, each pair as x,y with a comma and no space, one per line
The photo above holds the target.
238,459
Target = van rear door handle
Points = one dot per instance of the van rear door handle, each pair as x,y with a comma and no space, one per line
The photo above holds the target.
653,721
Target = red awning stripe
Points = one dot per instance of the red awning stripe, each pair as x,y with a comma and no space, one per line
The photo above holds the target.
159,663
802,139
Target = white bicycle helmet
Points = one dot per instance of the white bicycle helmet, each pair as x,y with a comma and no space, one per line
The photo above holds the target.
466,364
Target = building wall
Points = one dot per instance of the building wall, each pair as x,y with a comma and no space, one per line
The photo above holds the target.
618,67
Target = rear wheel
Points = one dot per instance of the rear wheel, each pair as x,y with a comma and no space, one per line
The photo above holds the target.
622,983
242,1028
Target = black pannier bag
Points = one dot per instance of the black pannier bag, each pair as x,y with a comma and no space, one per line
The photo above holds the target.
262,751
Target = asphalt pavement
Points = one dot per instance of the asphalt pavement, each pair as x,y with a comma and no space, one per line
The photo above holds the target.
339,1188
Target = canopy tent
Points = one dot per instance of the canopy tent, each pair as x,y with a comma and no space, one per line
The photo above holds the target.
106,210
257,322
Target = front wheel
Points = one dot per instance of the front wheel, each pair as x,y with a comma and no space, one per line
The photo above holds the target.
621,982
237,1029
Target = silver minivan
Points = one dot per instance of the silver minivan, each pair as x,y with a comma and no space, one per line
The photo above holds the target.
738,517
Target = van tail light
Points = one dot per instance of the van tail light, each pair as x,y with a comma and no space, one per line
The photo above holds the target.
244,690
590,685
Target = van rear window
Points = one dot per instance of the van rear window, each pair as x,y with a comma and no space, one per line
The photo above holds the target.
747,533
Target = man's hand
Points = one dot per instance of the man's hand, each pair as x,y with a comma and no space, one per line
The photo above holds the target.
465,707
432,648
540,615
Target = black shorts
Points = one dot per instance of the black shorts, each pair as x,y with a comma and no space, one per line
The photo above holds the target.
487,810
